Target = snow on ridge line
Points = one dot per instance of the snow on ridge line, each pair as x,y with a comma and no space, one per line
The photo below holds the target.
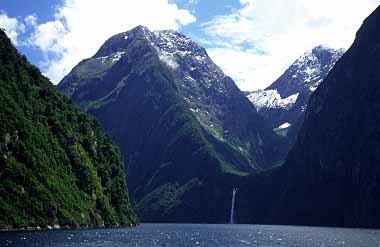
271,99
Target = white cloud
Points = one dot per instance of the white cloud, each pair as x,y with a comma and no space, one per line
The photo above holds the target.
168,59
82,26
31,20
187,4
257,42
48,36
12,26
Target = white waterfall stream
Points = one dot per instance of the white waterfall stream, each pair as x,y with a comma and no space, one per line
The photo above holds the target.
232,216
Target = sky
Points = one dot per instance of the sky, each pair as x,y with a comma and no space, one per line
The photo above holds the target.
253,41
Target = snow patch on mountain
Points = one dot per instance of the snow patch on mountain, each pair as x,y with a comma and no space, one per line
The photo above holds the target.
311,68
284,126
187,53
174,42
314,87
113,58
116,57
298,82
271,99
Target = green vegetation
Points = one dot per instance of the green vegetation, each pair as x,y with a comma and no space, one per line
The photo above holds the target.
57,166
226,168
93,68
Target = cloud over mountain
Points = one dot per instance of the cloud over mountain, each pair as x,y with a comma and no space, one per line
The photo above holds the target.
258,41
81,26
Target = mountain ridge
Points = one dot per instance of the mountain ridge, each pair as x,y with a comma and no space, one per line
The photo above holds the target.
163,77
284,102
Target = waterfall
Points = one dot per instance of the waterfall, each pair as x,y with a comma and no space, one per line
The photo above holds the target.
234,190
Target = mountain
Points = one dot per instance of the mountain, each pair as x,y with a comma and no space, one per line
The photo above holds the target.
284,102
332,173
180,121
57,166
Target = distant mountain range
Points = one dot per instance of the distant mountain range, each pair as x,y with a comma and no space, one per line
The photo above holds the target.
179,120
284,102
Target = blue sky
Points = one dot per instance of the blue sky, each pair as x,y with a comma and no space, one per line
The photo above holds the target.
23,8
253,41
44,10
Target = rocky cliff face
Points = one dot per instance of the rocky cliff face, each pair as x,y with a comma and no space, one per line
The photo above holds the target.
179,120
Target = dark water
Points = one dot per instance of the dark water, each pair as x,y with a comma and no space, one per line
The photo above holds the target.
197,235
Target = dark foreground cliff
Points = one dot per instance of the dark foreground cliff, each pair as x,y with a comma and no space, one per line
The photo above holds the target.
333,170
57,166
332,175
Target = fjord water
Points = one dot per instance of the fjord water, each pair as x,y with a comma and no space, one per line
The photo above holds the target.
178,235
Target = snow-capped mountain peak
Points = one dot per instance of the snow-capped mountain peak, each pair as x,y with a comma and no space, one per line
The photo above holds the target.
164,80
175,42
209,94
311,68
173,48
285,100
